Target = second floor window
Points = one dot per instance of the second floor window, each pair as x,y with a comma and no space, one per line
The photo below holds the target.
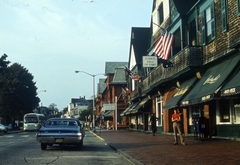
224,15
160,12
238,5
208,24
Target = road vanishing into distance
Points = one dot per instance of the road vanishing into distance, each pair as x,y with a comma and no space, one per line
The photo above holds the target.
22,148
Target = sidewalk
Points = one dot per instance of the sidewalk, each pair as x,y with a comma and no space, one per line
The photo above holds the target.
159,149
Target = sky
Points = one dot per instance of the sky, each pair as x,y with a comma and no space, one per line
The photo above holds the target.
54,38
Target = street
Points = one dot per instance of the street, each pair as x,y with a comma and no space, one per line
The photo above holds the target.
23,148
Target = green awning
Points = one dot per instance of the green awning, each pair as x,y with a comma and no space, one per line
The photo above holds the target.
232,87
182,91
108,113
210,83
128,110
132,108
140,105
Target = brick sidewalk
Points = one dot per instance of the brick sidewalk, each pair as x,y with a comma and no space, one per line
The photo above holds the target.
159,149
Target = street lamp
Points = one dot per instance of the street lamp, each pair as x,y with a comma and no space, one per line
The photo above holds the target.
41,91
93,76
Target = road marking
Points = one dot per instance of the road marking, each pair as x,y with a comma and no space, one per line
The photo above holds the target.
98,157
11,136
103,157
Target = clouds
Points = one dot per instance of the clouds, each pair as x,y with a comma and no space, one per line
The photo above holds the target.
54,38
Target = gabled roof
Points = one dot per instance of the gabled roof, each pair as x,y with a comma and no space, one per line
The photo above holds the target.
101,85
140,37
119,76
111,66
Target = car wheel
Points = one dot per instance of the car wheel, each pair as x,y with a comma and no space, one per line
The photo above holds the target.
5,131
43,146
79,145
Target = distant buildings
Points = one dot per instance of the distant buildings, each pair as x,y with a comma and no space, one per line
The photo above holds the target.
77,105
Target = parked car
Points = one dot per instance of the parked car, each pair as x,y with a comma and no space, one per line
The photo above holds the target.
61,131
8,128
3,128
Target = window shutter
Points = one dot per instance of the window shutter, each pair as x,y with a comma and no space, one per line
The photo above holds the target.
213,21
238,3
203,29
224,15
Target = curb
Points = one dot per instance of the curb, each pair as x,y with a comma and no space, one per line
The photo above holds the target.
124,154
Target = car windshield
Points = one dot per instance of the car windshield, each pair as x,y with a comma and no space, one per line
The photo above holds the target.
31,120
60,123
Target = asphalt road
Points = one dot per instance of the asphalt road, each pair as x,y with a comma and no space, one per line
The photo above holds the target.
23,148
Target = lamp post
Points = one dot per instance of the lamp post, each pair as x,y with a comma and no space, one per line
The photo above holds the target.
41,91
94,109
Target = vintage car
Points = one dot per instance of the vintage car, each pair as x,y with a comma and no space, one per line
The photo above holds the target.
61,131
2,128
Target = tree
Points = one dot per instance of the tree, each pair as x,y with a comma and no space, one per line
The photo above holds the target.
53,109
18,92
87,112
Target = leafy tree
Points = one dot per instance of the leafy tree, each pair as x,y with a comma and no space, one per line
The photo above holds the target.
84,113
53,110
87,112
18,93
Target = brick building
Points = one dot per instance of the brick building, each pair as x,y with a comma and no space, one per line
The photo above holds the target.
203,78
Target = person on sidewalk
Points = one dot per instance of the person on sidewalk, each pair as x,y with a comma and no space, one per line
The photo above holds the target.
176,118
153,120
202,126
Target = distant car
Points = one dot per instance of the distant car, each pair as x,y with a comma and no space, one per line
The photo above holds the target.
3,128
61,131
8,128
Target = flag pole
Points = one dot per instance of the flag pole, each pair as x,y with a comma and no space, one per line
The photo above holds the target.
173,35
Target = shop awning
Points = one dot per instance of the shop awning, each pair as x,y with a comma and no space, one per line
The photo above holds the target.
108,113
128,110
182,91
140,105
232,87
210,83
132,108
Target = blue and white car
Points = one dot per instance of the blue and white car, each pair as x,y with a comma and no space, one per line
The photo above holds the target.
61,131
3,128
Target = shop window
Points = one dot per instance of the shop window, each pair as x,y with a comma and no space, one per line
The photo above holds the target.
224,109
237,113
120,119
140,120
159,113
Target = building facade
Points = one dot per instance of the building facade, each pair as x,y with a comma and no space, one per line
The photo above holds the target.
203,79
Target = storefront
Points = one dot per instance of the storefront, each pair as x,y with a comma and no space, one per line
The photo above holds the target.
204,98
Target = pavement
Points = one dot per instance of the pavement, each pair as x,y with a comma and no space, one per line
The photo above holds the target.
142,148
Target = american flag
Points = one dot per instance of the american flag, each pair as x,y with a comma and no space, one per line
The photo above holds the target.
125,92
133,75
163,45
